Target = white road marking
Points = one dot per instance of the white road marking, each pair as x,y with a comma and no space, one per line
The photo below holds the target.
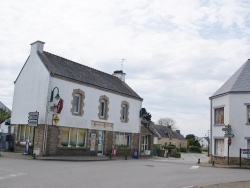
12,176
190,186
194,167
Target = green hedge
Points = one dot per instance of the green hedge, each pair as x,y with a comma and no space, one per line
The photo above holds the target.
194,149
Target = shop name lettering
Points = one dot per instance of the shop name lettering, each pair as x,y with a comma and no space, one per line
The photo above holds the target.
104,125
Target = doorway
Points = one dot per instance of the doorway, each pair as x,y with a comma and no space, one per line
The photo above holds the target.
100,142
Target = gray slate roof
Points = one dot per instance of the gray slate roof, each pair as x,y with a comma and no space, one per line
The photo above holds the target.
239,82
162,131
59,66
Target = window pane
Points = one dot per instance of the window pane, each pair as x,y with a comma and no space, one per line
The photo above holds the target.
248,114
81,137
77,103
124,112
22,133
219,147
64,136
219,116
102,108
73,135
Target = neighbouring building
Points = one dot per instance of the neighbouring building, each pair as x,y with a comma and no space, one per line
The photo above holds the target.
82,111
204,141
230,105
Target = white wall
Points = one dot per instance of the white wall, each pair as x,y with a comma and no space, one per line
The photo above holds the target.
235,114
31,92
91,103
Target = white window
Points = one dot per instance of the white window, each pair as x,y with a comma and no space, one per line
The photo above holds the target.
122,139
219,115
25,133
248,147
248,113
73,137
77,100
103,108
144,145
124,112
219,147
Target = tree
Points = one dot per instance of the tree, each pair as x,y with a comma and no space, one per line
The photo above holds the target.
4,114
192,141
144,115
169,122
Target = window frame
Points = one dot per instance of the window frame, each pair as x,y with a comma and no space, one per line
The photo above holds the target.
124,111
28,134
216,147
217,113
126,141
76,139
81,96
103,107
145,140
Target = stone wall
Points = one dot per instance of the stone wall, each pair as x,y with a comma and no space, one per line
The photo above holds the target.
232,160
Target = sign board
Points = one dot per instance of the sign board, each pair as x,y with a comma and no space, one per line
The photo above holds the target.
33,113
245,151
33,118
228,135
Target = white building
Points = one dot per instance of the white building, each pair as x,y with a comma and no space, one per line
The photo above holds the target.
230,105
204,141
93,112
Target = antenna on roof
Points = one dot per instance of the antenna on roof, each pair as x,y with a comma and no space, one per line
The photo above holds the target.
122,64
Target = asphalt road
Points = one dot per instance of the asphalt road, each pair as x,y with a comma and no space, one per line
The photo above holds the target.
17,173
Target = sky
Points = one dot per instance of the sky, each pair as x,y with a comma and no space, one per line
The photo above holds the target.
176,53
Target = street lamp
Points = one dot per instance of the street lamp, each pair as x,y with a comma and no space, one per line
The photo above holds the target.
57,97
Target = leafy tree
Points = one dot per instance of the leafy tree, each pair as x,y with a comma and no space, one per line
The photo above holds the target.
145,115
192,141
4,114
169,122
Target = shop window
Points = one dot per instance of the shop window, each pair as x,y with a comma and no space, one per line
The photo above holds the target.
144,145
122,139
77,102
73,137
103,107
219,147
219,116
124,111
25,133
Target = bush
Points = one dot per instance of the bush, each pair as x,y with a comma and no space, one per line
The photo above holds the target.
194,149
184,150
175,153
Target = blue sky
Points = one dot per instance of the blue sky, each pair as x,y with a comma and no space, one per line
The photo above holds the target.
177,53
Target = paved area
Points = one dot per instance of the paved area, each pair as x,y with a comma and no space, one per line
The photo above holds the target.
186,158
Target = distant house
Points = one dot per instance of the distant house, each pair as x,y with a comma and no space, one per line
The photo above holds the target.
204,141
230,118
82,111
4,107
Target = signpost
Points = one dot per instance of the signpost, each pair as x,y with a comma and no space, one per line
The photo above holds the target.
228,135
32,122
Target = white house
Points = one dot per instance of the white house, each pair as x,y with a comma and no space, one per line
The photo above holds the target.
82,111
204,141
230,105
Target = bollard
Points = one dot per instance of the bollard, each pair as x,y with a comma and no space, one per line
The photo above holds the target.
126,157
110,156
34,156
199,161
212,163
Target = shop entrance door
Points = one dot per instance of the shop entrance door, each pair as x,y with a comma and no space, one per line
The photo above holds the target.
100,142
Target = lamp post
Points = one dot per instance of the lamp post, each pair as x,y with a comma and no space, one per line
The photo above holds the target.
52,94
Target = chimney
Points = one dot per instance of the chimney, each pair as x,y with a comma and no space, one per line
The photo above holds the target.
119,74
36,47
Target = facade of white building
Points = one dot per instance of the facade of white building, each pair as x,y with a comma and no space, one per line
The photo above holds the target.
98,110
230,105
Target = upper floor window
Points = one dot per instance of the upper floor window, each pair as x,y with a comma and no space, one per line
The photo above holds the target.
124,111
219,115
77,102
248,114
103,107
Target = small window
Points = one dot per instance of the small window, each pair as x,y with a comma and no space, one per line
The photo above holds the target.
103,107
124,111
248,114
73,137
122,139
219,116
77,99
77,102
25,133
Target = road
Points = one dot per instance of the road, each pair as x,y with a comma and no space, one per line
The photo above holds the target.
116,173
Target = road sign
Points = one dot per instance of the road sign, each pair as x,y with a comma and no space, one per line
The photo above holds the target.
226,129
228,135
33,113
33,117
245,151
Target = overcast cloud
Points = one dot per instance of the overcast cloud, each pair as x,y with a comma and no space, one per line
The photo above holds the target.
177,53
